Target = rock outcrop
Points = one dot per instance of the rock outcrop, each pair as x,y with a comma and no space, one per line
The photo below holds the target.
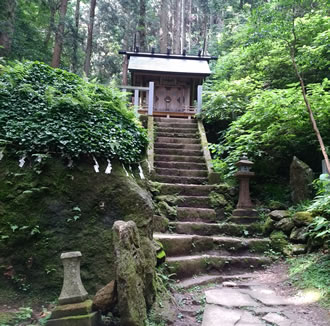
134,273
301,177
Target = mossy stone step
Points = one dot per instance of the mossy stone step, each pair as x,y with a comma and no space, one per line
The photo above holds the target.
185,190
179,158
194,202
185,244
194,214
201,228
175,151
175,120
180,180
178,134
176,140
186,266
175,125
194,147
181,172
180,165
178,130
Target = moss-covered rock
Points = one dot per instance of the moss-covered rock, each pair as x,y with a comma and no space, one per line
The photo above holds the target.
268,226
166,210
302,218
51,208
279,241
299,235
285,225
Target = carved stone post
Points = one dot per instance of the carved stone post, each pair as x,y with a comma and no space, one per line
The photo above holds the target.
73,290
74,309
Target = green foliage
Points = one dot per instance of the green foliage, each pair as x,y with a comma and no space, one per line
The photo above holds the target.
45,110
254,89
312,271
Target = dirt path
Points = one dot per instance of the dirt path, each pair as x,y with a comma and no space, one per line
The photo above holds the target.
266,298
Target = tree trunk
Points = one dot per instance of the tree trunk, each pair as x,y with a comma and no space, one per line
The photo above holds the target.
164,21
177,28
142,25
59,36
89,45
189,24
76,38
309,109
183,25
52,7
7,30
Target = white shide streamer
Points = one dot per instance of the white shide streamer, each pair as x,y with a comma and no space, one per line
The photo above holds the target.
96,166
141,172
21,162
109,167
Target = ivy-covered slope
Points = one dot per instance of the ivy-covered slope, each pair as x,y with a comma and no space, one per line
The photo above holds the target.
46,110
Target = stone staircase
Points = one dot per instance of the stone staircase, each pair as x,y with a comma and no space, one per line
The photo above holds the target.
199,241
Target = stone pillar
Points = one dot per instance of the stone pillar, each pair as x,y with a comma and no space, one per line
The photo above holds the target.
74,309
244,212
73,290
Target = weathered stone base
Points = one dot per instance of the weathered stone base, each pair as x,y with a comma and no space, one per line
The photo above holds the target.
92,319
77,314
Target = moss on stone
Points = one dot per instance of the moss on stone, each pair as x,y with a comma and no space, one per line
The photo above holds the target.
39,219
166,210
302,218
268,226
279,241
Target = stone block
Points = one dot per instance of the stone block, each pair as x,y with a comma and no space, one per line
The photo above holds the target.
73,309
92,319
279,214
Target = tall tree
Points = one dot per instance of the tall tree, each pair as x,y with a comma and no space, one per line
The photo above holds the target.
177,27
53,6
7,15
59,36
76,38
164,21
89,46
142,25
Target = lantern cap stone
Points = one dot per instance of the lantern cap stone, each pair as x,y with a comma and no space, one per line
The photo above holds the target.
244,161
71,254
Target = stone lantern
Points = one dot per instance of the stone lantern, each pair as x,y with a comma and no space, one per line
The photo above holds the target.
245,209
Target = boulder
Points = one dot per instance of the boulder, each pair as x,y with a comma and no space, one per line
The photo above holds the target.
105,299
279,214
134,273
299,235
299,249
301,177
285,224
302,218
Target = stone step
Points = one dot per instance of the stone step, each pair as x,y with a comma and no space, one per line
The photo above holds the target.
185,244
185,190
180,180
180,165
181,172
194,281
193,214
201,228
174,151
175,120
186,266
179,158
178,135
195,202
174,140
175,125
177,130
194,147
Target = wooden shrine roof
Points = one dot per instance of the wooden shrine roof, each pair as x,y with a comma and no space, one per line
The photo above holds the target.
170,64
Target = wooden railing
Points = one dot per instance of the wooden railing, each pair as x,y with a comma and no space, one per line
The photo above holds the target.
149,98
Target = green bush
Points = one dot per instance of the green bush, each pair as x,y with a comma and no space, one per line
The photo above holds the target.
46,110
